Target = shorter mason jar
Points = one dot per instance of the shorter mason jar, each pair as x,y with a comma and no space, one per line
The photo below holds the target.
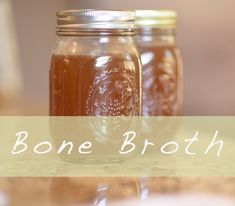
95,67
161,63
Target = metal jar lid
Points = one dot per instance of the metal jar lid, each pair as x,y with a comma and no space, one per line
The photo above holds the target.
156,18
87,19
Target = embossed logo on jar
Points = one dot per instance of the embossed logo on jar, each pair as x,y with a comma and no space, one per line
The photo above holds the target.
160,89
113,93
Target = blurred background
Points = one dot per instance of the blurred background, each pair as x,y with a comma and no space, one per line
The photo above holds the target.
205,35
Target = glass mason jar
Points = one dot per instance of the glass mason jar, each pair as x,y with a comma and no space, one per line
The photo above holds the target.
95,71
161,62
95,67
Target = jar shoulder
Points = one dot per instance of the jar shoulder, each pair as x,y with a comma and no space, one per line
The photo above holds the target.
159,53
95,46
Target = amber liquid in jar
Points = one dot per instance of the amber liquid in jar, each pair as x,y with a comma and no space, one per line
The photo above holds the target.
162,80
83,85
95,71
161,62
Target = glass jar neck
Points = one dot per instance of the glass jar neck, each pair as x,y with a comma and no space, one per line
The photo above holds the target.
96,39
95,32
156,35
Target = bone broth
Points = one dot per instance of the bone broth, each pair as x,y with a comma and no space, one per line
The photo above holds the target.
161,61
95,67
85,86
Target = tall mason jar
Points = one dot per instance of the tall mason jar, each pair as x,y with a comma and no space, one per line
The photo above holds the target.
161,62
95,71
95,68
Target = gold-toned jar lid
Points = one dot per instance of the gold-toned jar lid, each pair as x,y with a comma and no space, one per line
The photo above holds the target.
156,18
95,19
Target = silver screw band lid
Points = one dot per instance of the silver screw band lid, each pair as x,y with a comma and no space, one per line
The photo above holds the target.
156,18
95,19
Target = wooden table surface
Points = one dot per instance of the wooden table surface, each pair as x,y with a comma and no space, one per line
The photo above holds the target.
84,191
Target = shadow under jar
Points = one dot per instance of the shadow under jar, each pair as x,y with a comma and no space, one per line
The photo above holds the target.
95,67
161,62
